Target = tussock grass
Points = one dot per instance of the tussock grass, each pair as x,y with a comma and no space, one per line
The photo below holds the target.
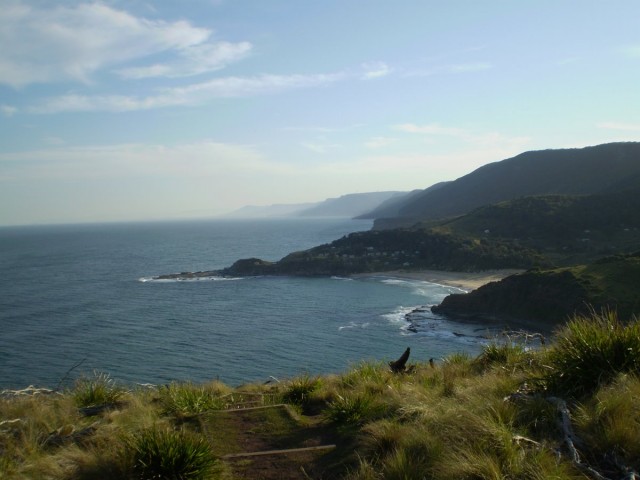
164,453
506,355
590,352
611,420
466,418
299,390
190,399
352,410
100,389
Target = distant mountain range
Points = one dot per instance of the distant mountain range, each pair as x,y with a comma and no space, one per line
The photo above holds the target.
349,206
571,216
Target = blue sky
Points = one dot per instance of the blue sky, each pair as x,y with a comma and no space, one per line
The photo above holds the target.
134,110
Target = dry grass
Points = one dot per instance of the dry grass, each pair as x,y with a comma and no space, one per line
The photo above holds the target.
458,419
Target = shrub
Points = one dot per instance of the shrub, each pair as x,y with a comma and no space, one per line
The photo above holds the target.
406,464
299,390
592,351
365,372
100,389
610,421
188,399
506,354
349,411
163,453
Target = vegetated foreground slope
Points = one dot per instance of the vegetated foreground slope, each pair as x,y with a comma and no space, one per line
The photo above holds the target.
565,411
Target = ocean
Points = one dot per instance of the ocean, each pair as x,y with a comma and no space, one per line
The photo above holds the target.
78,299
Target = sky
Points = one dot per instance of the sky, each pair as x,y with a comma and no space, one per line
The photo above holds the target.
146,110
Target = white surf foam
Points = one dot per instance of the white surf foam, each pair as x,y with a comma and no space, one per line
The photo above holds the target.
354,325
194,279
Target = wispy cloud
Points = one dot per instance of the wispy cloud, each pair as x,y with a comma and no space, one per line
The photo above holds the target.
480,139
192,61
193,94
320,146
456,68
631,50
379,142
430,129
205,158
62,43
8,110
319,129
626,127
375,70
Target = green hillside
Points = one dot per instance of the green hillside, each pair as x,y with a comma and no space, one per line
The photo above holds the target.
566,229
527,232
409,249
549,297
582,171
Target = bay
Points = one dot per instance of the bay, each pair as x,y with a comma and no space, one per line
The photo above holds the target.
80,295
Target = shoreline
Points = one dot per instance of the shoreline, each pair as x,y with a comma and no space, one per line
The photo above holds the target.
464,280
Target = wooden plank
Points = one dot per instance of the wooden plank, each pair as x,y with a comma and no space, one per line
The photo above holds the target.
262,407
278,452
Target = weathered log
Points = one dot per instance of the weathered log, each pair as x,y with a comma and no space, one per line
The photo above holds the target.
98,409
68,434
570,439
399,365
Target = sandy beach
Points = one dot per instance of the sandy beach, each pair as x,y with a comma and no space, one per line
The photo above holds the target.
465,280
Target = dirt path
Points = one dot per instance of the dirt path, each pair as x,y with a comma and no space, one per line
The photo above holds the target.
268,429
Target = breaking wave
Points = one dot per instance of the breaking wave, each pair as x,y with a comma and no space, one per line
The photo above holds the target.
193,279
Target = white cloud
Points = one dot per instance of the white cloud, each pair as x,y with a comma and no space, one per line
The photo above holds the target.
430,129
193,94
62,43
379,142
375,70
53,140
8,110
456,68
320,147
197,160
493,141
318,129
193,60
138,181
631,51
626,127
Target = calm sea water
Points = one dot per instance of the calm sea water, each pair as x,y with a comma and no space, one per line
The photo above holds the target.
81,295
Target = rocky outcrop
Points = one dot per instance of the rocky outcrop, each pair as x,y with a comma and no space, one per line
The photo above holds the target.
548,297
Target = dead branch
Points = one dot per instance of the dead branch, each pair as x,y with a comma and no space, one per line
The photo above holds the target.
399,365
68,372
569,437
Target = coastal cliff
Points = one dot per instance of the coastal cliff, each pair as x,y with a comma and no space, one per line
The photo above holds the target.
552,296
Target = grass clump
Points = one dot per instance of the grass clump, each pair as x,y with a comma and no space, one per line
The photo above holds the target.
169,454
100,389
491,417
507,355
610,421
299,390
352,410
591,352
190,399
